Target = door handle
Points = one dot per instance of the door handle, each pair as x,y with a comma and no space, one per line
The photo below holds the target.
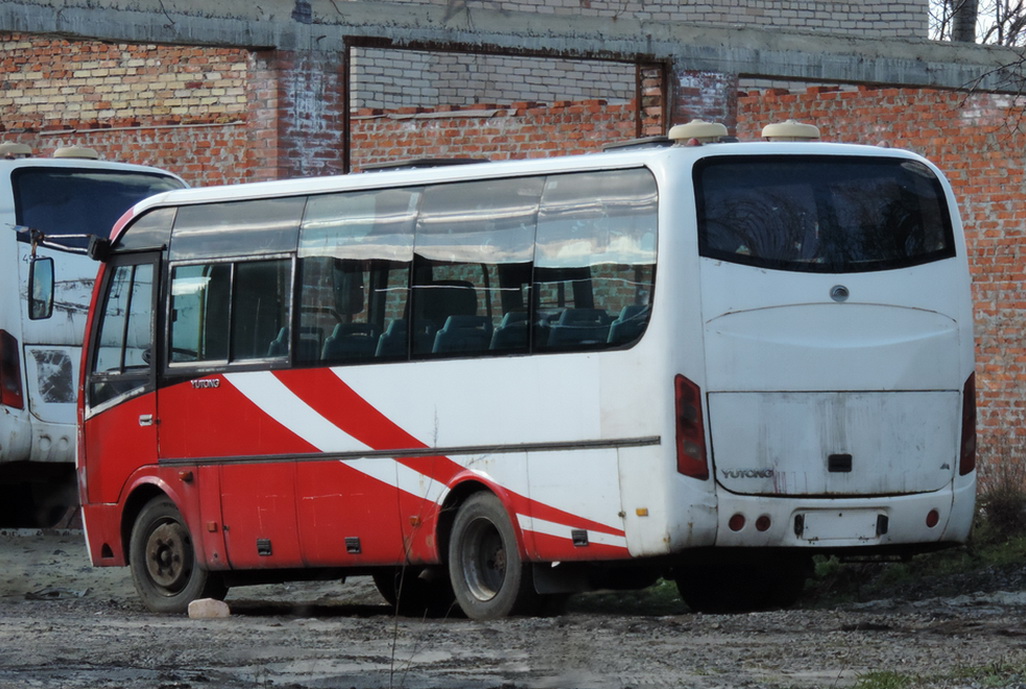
146,419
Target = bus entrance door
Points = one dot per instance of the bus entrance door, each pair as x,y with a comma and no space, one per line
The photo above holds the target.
120,421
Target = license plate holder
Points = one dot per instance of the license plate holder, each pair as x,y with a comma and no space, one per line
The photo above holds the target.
840,525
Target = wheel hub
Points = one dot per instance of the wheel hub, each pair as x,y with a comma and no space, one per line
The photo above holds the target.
485,559
168,555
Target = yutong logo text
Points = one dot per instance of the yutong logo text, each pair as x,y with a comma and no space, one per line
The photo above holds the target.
747,473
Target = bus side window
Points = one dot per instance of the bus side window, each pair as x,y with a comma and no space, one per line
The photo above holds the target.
200,297
261,295
595,259
355,252
346,305
472,263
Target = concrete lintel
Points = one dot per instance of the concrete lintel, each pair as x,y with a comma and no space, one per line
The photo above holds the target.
326,24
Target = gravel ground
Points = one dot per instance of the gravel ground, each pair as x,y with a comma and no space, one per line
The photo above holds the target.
64,624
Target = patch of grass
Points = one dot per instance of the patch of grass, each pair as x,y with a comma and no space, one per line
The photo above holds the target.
998,673
661,598
1002,504
884,679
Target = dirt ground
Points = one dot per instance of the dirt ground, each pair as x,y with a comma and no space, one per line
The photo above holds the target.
66,625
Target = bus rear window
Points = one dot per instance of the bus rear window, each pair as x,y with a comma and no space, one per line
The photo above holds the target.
71,201
821,214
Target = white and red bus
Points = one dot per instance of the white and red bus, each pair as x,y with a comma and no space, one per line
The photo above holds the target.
49,207
501,382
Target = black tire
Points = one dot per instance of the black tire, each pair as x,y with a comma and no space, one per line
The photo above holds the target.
734,588
416,591
489,578
162,559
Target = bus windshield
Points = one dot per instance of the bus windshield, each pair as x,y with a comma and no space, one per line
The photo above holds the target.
823,215
69,201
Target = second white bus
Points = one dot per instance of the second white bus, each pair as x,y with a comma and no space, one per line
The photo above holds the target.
49,208
498,383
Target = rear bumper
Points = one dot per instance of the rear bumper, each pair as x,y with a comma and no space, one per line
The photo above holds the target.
829,524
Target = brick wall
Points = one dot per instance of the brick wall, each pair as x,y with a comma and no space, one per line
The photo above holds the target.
219,116
202,154
978,142
708,96
175,107
517,130
49,82
405,78
297,115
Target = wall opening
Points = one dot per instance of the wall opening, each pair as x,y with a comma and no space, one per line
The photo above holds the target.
423,93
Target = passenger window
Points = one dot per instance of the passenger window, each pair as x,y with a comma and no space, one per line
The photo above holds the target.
595,259
200,298
260,310
356,249
239,309
472,266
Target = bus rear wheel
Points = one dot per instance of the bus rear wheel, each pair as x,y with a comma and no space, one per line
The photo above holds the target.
163,563
769,584
489,578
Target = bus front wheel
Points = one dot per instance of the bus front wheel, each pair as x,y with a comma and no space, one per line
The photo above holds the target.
489,578
163,561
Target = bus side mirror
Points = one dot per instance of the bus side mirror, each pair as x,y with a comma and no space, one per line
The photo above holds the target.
40,288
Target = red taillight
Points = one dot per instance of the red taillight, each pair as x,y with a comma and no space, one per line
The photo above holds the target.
690,431
10,372
967,455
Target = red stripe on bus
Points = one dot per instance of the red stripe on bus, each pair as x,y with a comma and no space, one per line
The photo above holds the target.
336,401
